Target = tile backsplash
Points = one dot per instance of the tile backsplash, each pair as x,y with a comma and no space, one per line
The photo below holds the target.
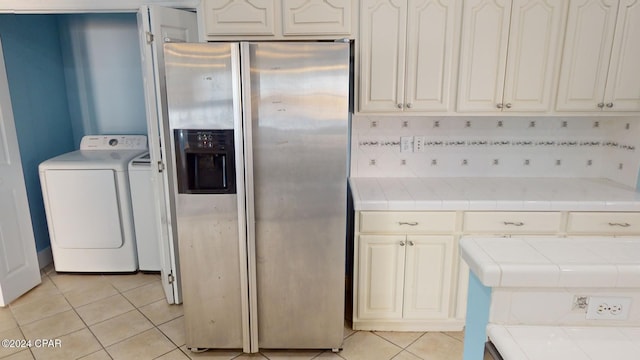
385,146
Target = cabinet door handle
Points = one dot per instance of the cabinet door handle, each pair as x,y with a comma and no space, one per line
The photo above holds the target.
410,223
619,224
401,243
399,106
600,105
499,106
514,223
508,105
609,105
411,243
409,105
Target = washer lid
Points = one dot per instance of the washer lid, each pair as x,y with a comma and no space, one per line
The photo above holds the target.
92,159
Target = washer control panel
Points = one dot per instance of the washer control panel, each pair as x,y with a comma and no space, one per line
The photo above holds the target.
113,142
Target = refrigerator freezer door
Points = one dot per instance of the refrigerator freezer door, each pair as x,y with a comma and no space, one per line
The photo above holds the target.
203,92
200,79
299,129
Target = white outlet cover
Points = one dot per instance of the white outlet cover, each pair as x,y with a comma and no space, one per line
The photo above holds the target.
615,308
418,144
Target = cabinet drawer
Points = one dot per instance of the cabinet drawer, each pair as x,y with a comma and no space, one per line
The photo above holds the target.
406,222
604,223
512,222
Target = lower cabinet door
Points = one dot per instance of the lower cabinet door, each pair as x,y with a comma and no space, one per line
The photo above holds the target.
427,283
381,276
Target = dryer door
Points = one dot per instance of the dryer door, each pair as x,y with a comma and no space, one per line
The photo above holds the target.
82,209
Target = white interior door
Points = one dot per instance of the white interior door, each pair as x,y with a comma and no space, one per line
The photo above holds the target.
19,270
158,25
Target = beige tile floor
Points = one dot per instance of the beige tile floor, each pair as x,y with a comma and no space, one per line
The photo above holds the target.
126,317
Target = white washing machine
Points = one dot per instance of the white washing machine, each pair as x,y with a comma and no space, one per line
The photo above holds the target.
88,205
144,217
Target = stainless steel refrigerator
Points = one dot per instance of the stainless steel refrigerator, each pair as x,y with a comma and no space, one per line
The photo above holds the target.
259,137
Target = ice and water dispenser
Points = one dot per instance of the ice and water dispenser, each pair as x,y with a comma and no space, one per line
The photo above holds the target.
205,161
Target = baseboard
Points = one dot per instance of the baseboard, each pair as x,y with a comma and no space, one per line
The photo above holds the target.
45,257
409,325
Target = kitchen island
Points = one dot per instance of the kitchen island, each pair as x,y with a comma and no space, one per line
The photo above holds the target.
545,277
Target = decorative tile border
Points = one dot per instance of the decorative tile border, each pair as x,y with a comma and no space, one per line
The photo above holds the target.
485,146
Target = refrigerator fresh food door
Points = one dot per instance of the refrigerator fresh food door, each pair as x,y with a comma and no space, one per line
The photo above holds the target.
297,131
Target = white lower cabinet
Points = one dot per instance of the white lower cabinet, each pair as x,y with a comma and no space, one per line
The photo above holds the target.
381,274
404,280
406,277
504,223
603,223
427,277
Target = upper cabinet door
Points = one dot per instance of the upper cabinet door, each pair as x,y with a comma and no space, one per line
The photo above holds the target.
585,62
382,49
535,36
483,54
307,17
239,17
622,92
431,40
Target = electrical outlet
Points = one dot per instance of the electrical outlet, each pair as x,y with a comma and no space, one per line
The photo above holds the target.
406,144
608,308
418,144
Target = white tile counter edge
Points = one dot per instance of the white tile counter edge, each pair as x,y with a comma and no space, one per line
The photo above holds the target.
554,262
497,194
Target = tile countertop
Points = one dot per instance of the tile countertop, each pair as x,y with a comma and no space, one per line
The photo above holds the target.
565,342
491,194
554,262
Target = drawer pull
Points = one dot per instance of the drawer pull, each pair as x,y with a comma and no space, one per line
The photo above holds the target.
410,223
401,243
620,224
514,223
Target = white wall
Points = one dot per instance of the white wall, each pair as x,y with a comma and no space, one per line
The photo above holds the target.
103,73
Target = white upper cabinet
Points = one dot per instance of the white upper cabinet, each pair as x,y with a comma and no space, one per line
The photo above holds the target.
382,48
276,19
239,17
601,56
508,54
304,17
407,50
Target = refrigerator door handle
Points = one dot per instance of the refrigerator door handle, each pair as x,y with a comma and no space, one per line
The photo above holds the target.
245,70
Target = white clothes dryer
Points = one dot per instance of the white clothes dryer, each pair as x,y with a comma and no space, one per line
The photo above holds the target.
144,217
88,205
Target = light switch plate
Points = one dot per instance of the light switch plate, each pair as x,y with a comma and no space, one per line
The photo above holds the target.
406,144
